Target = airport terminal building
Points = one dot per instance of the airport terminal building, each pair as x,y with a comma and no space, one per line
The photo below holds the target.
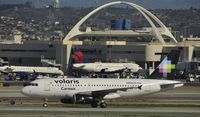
146,55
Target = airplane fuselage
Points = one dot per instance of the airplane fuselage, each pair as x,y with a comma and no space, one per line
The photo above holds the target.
107,67
28,69
68,87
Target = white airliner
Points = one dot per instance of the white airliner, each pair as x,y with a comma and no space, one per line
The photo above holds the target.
107,67
95,91
27,70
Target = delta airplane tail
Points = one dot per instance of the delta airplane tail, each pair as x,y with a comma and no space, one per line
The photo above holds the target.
166,68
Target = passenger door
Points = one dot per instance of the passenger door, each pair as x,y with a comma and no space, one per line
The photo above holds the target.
46,86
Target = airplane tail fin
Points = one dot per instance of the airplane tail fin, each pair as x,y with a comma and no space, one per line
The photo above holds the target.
76,56
166,68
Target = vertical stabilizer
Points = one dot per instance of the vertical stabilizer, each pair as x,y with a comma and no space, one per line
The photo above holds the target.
166,68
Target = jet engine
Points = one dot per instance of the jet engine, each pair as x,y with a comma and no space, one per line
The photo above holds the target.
67,101
77,100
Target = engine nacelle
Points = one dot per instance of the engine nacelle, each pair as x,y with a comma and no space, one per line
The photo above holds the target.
77,100
67,101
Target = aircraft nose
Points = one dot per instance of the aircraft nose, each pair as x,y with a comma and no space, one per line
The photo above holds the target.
25,91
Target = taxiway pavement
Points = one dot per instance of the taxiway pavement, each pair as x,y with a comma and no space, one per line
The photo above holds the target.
107,112
184,96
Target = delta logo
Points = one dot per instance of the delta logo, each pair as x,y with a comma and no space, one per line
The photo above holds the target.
166,67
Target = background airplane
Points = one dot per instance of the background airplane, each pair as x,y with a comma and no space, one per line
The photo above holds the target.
107,68
26,72
79,67
95,91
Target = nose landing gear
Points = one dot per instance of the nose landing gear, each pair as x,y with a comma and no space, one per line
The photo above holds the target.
96,103
45,104
12,102
103,104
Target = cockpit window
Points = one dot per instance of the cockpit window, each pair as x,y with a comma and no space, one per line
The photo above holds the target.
31,84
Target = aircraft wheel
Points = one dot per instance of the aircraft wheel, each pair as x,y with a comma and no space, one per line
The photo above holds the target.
94,104
12,102
103,105
45,105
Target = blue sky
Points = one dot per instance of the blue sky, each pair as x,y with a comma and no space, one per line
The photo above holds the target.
150,4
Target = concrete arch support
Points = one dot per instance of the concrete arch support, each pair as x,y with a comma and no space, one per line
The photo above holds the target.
148,16
165,30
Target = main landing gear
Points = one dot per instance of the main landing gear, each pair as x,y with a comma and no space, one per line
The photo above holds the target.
12,102
45,103
96,103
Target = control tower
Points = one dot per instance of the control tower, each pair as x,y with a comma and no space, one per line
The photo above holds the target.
56,4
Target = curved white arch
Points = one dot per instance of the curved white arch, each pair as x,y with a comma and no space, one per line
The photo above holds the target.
154,29
166,31
75,30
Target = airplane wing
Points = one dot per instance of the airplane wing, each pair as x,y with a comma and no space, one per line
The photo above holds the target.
79,67
102,93
116,69
104,70
7,70
165,87
4,72
37,72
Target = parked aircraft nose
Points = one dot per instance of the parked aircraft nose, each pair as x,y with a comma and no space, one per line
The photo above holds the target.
25,91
